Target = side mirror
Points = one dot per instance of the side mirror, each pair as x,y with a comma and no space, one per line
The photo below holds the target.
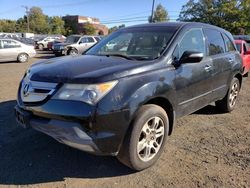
191,57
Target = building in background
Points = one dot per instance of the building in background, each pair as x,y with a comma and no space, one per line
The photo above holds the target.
79,21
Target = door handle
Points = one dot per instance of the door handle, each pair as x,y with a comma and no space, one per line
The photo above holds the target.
208,68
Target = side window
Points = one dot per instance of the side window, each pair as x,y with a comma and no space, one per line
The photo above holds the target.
215,42
97,39
244,48
229,44
84,40
193,40
1,46
10,44
90,39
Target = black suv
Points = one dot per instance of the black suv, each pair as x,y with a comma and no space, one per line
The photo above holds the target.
123,95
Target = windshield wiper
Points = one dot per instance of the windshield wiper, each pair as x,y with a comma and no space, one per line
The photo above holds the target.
120,55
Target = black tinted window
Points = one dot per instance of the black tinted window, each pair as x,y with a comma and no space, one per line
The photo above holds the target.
229,44
97,39
215,42
90,39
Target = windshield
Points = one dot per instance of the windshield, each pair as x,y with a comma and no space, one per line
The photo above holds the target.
72,39
238,46
136,43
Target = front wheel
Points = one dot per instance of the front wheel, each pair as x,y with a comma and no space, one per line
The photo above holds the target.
73,52
22,58
146,138
227,104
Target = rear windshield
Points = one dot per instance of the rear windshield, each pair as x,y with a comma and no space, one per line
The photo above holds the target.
135,43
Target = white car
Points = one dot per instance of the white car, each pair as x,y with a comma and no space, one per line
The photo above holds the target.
44,42
12,50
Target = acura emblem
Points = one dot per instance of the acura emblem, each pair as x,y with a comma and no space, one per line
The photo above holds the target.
26,89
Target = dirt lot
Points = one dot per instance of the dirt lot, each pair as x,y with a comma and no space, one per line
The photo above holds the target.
207,149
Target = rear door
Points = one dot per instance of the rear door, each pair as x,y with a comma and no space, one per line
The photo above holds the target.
222,61
193,80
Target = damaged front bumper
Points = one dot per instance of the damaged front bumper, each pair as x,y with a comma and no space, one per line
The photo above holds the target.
75,126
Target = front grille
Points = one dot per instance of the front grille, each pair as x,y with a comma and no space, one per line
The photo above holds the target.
32,91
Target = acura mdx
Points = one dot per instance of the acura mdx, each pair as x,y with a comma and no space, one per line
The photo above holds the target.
123,95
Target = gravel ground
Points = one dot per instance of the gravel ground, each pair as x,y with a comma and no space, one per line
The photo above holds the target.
206,149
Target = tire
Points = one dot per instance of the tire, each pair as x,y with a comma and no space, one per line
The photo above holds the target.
142,136
40,46
73,52
227,104
22,58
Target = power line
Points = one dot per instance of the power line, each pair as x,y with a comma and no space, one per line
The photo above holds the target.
133,14
129,21
125,18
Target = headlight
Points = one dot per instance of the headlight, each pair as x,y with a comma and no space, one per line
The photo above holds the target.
90,94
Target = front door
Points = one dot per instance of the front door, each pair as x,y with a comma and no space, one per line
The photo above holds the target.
193,80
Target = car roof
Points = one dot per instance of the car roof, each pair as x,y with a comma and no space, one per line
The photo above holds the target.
239,41
2,38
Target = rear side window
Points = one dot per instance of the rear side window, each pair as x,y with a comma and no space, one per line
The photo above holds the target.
193,40
215,42
229,44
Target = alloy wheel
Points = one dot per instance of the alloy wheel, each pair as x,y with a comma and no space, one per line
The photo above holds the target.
151,139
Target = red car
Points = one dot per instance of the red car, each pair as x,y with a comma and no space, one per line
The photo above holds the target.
245,54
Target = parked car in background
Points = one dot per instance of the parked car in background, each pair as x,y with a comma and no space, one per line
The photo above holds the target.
245,54
28,41
75,44
51,44
243,37
124,102
43,44
13,50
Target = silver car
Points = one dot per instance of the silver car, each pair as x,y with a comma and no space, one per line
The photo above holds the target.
75,44
12,50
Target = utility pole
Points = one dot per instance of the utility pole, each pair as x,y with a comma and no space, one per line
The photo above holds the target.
27,15
152,13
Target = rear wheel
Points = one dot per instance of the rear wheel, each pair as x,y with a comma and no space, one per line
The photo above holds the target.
228,103
146,138
22,58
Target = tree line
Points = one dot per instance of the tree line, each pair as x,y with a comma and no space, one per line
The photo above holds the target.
232,15
39,23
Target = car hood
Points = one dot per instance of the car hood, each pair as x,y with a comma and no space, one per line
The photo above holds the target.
84,69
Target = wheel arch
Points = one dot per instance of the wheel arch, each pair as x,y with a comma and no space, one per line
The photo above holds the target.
22,53
71,48
239,77
168,107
